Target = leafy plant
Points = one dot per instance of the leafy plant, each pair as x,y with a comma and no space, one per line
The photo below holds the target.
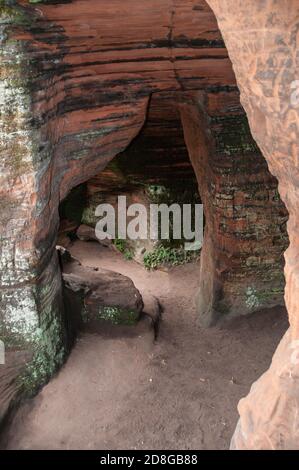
123,248
163,256
120,244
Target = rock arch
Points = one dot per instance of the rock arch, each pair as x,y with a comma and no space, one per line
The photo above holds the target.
69,106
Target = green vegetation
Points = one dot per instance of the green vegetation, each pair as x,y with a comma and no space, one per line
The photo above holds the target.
12,13
44,337
122,247
168,256
47,358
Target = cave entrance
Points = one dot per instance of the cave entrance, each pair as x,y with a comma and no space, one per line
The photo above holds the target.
143,382
154,169
182,390
241,260
193,141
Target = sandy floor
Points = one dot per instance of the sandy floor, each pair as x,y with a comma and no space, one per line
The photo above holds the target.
120,390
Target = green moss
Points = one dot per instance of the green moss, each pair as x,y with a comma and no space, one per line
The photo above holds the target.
13,14
233,136
16,77
265,296
48,356
118,316
251,298
112,314
31,326
262,297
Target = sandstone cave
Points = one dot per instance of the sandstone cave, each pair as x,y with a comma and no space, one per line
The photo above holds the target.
138,345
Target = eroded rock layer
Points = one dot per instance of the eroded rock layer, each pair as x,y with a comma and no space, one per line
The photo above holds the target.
245,233
242,259
264,52
76,82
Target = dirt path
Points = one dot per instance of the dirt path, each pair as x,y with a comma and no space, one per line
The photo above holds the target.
120,390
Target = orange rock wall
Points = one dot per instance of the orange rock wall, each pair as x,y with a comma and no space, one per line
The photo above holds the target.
263,47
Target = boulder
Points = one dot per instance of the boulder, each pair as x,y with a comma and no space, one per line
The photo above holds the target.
102,294
85,233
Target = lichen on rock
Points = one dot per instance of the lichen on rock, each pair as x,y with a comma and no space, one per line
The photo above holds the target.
118,315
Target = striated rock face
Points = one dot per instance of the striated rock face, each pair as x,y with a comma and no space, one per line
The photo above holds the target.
11,386
245,235
159,155
264,51
79,80
242,261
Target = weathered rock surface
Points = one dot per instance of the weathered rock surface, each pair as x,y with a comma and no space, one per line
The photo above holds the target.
269,418
264,52
153,309
79,97
245,232
11,384
102,294
76,81
242,259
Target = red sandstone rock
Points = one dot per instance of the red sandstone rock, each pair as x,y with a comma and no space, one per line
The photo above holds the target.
264,49
106,295
83,76
87,233
11,386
